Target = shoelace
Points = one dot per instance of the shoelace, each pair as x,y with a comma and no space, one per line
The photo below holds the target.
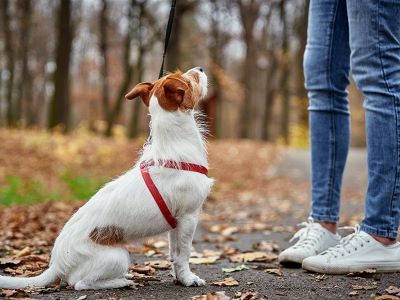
308,235
348,244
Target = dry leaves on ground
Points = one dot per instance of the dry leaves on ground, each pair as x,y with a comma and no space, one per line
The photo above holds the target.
228,281
203,260
274,271
365,273
159,264
257,256
147,270
212,296
235,269
387,297
393,290
247,296
364,287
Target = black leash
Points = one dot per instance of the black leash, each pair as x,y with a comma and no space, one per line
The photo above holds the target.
167,35
166,41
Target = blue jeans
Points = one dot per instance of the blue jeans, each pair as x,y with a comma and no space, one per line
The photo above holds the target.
363,34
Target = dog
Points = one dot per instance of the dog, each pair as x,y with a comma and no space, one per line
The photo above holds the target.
89,252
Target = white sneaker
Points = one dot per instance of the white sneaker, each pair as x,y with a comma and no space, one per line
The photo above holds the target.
356,252
313,239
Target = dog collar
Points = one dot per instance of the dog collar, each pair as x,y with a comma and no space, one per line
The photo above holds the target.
184,166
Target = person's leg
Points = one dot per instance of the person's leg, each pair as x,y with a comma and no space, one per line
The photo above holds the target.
374,27
375,60
326,69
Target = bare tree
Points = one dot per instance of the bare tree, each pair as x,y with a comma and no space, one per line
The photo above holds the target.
183,7
139,70
60,106
249,12
272,73
285,63
128,70
24,86
218,39
10,63
301,33
103,25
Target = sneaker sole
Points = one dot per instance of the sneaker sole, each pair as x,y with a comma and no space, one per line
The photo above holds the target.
340,270
290,259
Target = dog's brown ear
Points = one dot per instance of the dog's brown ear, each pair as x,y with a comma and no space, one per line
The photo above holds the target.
141,90
175,93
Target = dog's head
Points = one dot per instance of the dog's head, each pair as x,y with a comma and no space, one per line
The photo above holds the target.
174,91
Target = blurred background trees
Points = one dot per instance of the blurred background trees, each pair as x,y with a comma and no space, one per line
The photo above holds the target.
67,62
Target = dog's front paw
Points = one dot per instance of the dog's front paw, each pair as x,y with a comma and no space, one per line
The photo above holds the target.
191,280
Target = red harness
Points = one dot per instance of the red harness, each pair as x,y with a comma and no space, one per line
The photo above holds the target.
144,169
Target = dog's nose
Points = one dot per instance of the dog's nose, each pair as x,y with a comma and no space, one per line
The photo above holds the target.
199,69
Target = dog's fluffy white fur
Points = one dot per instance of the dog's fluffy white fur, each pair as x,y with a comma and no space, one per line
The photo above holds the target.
127,203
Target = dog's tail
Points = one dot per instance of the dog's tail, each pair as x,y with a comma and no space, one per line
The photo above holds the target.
44,279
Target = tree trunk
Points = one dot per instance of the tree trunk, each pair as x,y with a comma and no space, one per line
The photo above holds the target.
217,45
285,58
134,123
173,61
249,13
301,91
103,24
271,83
24,97
9,50
59,106
123,88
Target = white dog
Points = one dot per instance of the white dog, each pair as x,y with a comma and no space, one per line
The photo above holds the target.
89,252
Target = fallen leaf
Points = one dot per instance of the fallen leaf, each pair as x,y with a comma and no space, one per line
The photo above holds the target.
393,290
8,293
133,248
23,252
160,244
229,281
257,256
251,227
147,270
150,253
212,296
7,261
219,239
224,229
363,287
274,271
235,269
248,296
353,293
320,277
229,251
83,297
266,246
364,273
203,260
210,253
159,264
387,297
143,277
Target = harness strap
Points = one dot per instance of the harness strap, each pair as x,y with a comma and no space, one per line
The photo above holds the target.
144,169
